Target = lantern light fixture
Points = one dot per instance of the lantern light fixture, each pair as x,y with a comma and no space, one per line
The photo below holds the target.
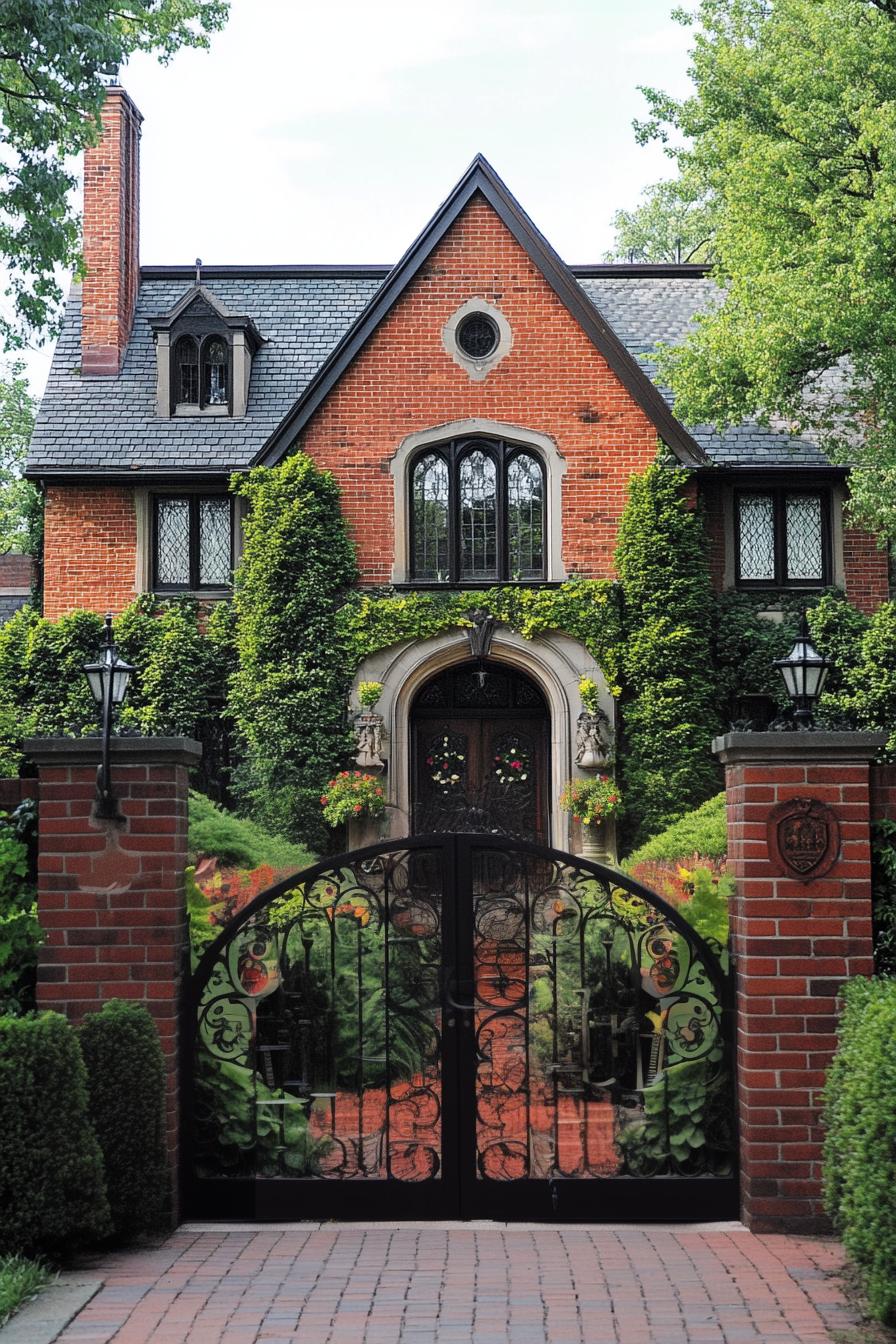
108,680
805,672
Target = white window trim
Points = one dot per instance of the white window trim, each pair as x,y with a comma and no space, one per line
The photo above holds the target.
544,448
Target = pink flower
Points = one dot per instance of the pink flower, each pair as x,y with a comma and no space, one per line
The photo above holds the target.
357,808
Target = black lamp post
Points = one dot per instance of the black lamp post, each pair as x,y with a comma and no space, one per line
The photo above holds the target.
805,672
109,684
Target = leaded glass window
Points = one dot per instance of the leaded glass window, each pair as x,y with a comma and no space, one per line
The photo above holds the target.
478,485
214,372
430,506
186,371
782,538
525,518
193,542
805,537
214,542
757,538
173,543
477,513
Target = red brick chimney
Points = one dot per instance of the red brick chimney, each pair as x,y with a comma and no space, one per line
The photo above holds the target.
111,236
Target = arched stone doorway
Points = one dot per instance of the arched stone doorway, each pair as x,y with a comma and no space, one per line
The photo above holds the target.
480,753
554,662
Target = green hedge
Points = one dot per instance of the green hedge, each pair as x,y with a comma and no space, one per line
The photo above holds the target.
126,1088
703,831
860,1147
52,1191
180,679
237,841
20,932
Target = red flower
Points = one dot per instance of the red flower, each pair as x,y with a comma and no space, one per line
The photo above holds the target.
357,808
516,765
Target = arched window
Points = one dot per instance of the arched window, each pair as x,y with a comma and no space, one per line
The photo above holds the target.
201,373
186,372
214,372
477,513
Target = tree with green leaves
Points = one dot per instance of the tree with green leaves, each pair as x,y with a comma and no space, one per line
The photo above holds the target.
791,129
20,501
672,224
53,60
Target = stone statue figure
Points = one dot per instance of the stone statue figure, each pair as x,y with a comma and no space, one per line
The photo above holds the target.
369,728
591,749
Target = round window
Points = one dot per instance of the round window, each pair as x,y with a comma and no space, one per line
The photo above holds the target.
478,336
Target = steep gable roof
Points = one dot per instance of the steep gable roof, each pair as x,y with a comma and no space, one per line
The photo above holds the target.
480,178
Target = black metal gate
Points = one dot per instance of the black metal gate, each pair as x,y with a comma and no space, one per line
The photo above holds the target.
460,1026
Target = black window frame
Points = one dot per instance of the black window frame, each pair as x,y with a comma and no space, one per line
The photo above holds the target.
201,337
453,452
193,498
779,495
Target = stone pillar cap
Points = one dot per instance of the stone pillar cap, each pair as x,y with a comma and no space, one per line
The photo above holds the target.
124,750
778,748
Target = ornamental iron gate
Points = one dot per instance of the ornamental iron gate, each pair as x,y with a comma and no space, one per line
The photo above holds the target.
460,1026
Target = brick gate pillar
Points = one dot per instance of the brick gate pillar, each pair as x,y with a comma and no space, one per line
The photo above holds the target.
111,894
801,925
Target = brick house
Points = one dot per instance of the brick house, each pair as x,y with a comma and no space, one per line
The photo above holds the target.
482,405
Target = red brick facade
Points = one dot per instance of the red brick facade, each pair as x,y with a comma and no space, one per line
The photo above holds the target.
111,897
90,549
866,569
111,236
553,381
795,943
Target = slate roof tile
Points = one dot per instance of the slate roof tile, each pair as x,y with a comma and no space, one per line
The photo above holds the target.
109,424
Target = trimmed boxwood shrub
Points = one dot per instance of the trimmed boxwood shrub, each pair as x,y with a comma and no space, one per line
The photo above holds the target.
126,1086
52,1190
238,842
703,831
860,1147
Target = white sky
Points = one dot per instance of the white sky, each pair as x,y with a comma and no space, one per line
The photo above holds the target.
331,132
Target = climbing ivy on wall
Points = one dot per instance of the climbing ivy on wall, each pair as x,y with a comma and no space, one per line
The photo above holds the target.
287,695
669,708
280,659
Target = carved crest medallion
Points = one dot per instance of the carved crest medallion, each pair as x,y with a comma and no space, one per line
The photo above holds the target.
803,838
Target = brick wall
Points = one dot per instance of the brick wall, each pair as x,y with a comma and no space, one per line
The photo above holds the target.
712,499
866,570
553,380
90,549
795,943
111,236
883,792
111,895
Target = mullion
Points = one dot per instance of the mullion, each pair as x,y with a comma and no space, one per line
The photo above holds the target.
502,539
194,537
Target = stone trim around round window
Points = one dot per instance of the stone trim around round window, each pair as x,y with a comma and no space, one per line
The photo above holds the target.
477,369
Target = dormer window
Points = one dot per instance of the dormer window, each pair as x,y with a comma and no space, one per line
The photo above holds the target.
186,372
214,372
204,357
200,380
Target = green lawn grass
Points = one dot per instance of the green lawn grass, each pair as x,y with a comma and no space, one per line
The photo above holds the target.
20,1280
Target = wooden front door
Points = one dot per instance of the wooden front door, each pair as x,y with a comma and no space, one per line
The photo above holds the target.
480,753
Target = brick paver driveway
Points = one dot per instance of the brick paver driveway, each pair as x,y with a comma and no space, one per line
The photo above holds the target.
483,1283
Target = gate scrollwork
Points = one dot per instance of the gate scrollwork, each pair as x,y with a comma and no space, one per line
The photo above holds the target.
591,1022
